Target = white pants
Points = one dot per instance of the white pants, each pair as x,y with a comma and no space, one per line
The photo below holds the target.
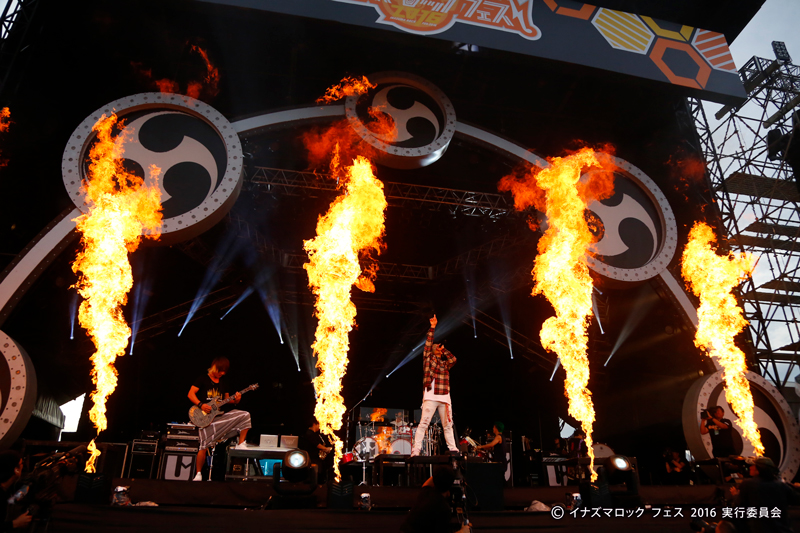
446,415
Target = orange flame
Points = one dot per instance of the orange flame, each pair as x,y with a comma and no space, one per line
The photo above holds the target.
121,208
211,80
5,123
560,271
711,278
348,87
377,414
353,226
5,119
207,88
687,170
94,453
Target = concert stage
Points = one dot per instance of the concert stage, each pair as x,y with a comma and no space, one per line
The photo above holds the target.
207,506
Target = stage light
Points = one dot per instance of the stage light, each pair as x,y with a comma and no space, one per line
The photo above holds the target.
781,52
295,461
617,484
299,475
619,462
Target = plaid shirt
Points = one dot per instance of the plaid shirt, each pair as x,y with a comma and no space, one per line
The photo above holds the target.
437,368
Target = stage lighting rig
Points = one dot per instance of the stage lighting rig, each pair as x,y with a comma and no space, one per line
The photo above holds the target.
781,53
300,476
617,484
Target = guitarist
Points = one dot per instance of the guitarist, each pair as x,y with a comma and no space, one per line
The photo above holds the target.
210,387
318,449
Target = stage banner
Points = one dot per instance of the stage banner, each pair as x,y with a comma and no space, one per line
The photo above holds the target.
561,30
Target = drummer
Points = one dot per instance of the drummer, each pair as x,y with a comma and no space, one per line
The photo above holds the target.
496,444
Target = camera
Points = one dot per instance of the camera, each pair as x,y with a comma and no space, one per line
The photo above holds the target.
705,414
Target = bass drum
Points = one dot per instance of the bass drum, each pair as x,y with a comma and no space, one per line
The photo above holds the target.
366,449
401,447
601,451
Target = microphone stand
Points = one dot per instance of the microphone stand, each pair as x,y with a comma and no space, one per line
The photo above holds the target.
347,434
347,441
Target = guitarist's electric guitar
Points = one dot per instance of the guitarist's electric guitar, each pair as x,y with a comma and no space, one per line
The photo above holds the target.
201,419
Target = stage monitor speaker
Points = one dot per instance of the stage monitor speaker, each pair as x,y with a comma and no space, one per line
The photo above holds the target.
488,484
178,466
142,465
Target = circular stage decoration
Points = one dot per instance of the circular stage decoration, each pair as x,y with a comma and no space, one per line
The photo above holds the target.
637,231
773,416
422,113
196,148
17,390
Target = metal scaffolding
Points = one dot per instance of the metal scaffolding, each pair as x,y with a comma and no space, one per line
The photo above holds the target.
15,21
747,149
454,201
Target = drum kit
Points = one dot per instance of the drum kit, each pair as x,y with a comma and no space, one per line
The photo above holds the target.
395,439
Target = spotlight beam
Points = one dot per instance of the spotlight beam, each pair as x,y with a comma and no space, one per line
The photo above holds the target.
632,321
597,315
558,362
73,313
227,251
247,292
141,294
526,345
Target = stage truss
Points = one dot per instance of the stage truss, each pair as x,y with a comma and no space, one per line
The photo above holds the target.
759,201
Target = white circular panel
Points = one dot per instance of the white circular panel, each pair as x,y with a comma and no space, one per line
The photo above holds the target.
640,199
196,148
423,116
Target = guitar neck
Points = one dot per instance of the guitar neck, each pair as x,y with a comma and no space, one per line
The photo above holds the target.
231,397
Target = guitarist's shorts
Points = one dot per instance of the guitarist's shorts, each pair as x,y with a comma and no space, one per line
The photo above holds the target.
233,421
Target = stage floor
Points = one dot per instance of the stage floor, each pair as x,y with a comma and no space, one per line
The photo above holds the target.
169,519
217,506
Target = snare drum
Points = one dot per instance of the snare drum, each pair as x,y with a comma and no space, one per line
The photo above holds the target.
348,457
366,449
401,447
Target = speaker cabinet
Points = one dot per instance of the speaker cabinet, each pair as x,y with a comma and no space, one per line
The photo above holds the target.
178,466
488,483
142,465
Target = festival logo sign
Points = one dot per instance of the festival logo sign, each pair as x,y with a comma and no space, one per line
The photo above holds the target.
196,148
427,17
423,116
636,228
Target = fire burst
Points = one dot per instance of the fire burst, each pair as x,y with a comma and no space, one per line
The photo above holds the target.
560,271
353,226
711,278
211,80
121,208
5,119
347,87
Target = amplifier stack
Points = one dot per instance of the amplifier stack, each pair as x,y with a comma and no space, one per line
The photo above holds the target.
144,451
181,444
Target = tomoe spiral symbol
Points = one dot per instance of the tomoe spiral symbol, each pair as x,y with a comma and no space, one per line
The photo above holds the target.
422,114
196,149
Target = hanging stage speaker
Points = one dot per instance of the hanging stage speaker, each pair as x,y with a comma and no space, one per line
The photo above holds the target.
177,466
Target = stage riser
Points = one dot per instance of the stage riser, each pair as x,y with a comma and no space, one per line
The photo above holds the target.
257,493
